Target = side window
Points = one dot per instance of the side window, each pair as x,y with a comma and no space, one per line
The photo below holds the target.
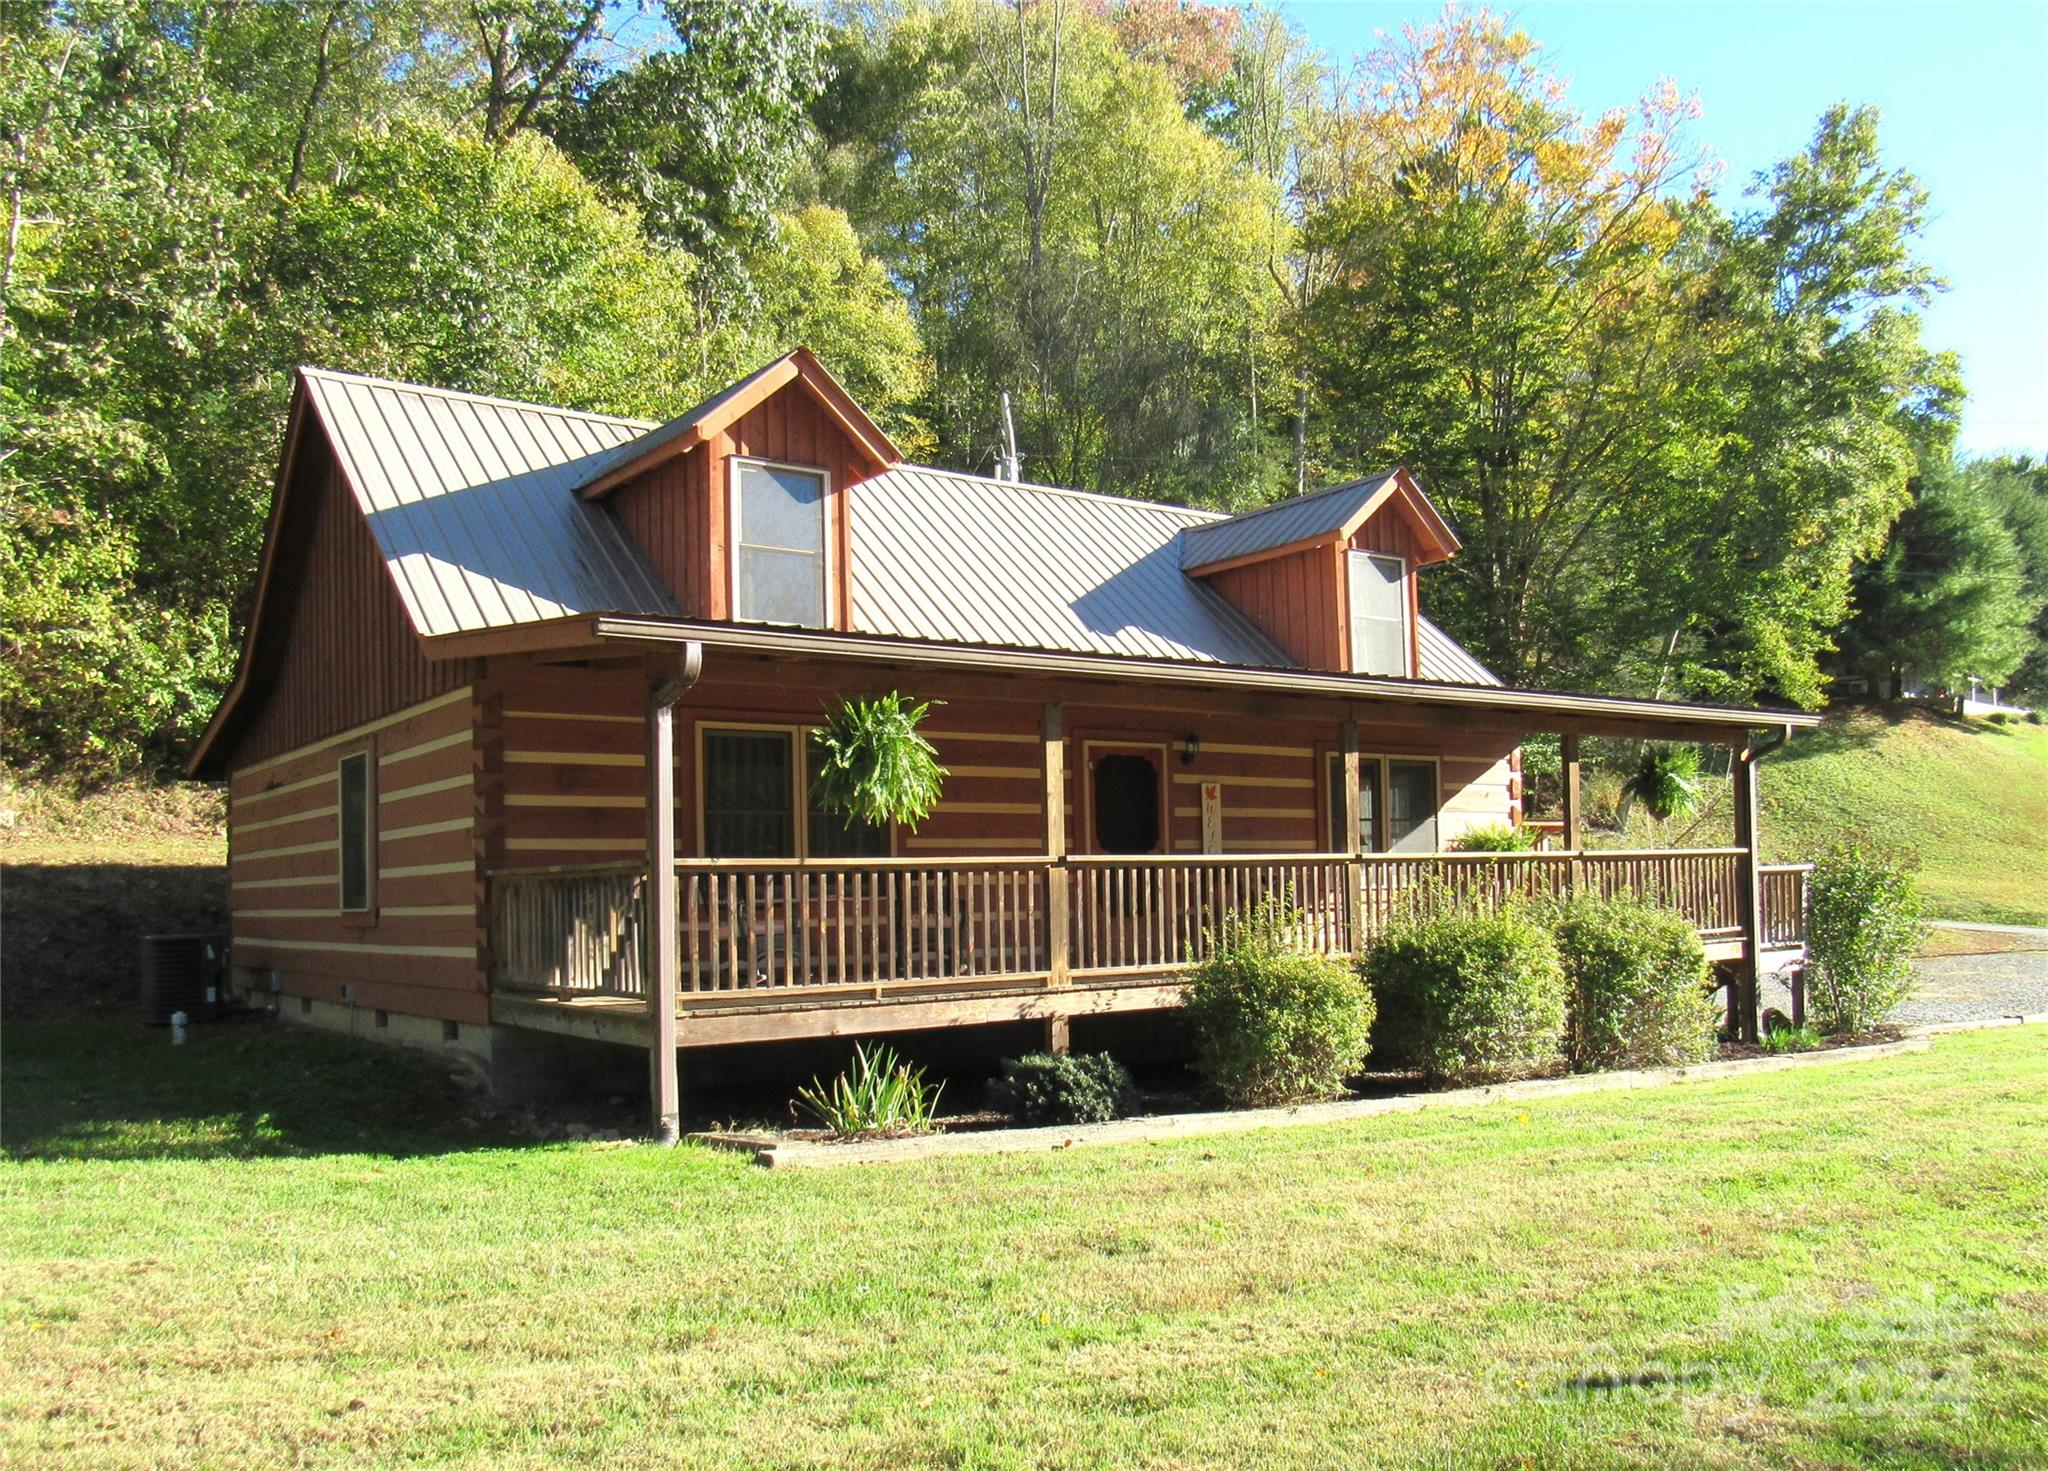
1368,804
1379,614
358,831
1411,806
749,794
778,544
751,802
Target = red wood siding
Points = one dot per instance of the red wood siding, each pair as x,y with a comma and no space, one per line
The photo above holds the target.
417,950
677,511
336,643
1390,533
1296,600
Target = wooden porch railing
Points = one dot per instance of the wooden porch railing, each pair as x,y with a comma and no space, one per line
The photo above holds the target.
753,925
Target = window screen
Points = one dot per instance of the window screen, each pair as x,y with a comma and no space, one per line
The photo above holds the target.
1368,804
1379,614
779,545
1411,806
357,838
831,835
749,784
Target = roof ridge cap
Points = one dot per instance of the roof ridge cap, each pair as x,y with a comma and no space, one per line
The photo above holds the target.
342,375
1066,490
1312,495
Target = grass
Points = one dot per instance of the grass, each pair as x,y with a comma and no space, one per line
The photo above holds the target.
1968,797
271,1250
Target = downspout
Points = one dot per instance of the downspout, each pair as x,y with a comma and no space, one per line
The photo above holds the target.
664,961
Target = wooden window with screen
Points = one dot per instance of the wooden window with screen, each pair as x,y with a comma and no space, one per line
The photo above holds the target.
358,811
1411,806
1379,614
780,571
750,796
1369,838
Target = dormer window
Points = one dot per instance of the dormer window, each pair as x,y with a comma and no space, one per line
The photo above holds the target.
779,571
1380,636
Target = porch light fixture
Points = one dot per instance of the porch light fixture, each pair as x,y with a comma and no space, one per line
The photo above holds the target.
1190,747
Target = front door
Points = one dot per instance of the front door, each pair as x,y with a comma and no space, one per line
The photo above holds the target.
1126,798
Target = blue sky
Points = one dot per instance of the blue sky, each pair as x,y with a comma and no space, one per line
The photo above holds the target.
1963,88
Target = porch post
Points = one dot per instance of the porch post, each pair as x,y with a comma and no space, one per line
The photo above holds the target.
1053,749
1748,896
1352,846
1568,749
664,1087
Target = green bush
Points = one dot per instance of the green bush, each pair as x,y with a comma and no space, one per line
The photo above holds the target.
1862,932
1638,983
1802,1038
879,1094
1495,837
1468,998
1046,1088
1275,1022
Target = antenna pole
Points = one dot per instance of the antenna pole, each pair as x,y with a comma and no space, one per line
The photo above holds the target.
1011,469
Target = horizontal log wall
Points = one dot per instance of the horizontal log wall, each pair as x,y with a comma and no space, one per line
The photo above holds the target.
573,752
417,949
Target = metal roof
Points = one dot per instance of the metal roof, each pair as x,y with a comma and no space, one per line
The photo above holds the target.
641,445
473,503
1299,518
937,554
1443,658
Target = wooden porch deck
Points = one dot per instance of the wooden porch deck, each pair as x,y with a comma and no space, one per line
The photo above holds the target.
786,949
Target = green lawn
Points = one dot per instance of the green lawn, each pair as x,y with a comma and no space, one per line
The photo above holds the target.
1969,798
255,1251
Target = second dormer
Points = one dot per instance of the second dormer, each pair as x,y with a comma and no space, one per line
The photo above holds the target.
1330,577
741,504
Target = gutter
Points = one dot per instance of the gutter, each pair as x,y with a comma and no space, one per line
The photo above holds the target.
788,642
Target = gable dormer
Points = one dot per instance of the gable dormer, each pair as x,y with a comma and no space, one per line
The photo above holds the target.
1330,577
740,504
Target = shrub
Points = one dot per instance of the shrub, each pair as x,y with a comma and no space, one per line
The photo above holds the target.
1802,1038
1863,929
1274,1021
1045,1088
1468,998
878,1094
1638,979
1495,837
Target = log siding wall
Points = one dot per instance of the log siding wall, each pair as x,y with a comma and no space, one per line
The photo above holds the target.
416,950
575,766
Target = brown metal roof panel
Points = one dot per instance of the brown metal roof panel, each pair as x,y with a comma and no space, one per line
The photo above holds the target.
944,555
471,500
1283,523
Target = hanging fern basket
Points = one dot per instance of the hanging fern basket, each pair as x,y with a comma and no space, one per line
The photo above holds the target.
1667,781
877,768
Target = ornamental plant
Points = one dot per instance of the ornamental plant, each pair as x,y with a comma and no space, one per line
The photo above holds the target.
1467,998
880,1095
877,768
1638,979
1275,1021
1862,930
1494,837
1050,1088
1667,781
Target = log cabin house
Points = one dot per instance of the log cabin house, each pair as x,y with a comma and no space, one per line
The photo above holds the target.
517,743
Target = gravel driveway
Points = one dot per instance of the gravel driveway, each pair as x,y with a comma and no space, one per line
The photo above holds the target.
1959,988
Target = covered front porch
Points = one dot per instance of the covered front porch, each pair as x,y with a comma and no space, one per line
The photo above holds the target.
775,949
636,769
